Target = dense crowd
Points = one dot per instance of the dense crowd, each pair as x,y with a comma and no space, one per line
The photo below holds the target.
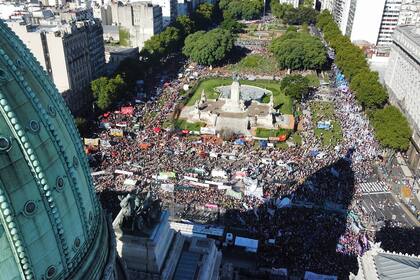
317,233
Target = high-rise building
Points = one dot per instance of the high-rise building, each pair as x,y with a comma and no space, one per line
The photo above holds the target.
51,223
140,20
72,54
402,79
371,21
169,9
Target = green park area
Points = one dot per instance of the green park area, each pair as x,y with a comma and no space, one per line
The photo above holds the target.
183,124
324,111
209,85
255,63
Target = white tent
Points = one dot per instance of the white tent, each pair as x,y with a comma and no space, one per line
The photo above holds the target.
249,244
314,276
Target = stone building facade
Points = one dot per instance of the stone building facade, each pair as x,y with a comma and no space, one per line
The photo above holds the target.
72,54
403,81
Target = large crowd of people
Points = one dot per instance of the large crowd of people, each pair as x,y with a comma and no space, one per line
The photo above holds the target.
314,231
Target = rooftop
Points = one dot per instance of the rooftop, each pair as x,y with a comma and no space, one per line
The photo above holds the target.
393,266
411,31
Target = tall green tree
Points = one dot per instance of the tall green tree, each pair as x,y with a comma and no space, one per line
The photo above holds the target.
296,16
204,16
185,25
107,91
295,86
209,48
232,25
279,10
391,128
242,9
299,50
369,92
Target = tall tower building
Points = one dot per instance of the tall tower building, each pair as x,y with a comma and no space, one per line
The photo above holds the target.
373,21
51,223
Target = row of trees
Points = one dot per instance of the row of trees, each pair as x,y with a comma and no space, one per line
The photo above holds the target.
242,9
294,16
390,125
299,50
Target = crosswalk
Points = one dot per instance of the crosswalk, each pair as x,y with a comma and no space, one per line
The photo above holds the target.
373,187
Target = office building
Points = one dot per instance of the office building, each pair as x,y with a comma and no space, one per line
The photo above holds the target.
402,79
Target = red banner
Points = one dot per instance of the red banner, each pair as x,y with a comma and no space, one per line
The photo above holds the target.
127,110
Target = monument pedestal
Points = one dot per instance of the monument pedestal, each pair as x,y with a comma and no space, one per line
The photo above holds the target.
146,254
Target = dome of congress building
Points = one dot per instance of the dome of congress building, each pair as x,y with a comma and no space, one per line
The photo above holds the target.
51,223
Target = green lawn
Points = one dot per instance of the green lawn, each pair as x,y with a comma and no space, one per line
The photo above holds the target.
255,63
297,139
265,133
274,86
313,80
183,124
324,111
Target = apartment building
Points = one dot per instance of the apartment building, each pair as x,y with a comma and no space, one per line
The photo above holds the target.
169,9
140,20
72,54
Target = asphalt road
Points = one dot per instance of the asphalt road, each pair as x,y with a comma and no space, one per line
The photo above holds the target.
383,207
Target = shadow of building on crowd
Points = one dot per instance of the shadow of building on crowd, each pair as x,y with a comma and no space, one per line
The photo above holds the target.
307,231
405,240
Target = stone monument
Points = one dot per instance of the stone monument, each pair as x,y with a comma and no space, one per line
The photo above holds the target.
143,235
233,103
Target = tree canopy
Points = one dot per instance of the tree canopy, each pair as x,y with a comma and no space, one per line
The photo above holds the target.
204,16
391,128
209,48
160,46
299,50
369,92
106,91
185,25
295,16
232,25
242,9
295,86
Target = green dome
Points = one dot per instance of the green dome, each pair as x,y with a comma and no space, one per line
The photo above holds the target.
51,223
